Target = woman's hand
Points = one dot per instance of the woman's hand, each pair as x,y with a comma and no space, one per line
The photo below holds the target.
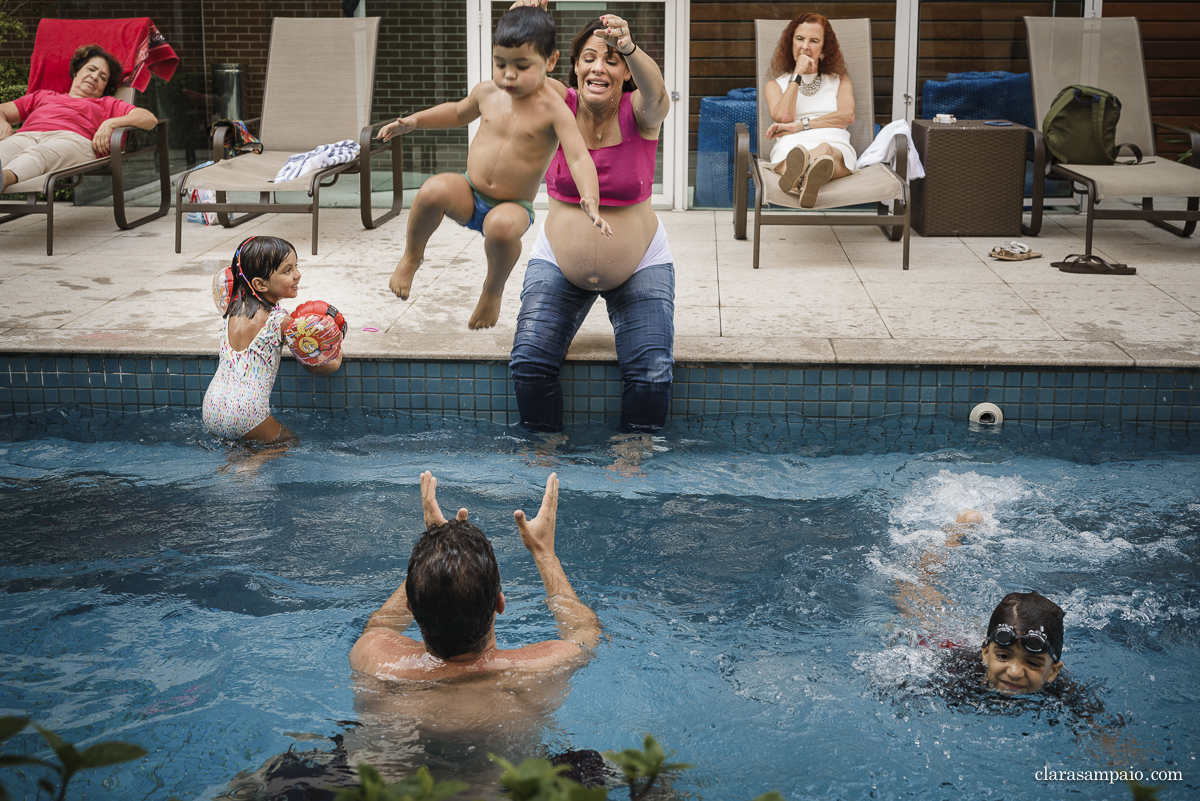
616,34
6,130
779,129
805,65
401,126
102,141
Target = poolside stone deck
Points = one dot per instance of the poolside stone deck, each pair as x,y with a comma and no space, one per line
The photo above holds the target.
832,295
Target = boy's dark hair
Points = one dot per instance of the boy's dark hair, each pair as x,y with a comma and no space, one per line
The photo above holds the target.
577,44
527,25
256,257
453,585
86,53
1029,611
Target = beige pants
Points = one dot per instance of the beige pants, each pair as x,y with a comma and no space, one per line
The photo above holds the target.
28,155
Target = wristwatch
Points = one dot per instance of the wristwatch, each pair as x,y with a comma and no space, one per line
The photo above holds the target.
804,122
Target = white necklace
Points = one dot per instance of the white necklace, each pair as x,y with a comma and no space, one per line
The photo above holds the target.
808,89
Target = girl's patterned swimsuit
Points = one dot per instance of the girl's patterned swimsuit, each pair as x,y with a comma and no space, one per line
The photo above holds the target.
239,397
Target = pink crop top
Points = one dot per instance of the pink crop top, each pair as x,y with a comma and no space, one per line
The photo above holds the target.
625,170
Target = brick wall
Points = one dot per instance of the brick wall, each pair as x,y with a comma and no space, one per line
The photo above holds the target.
422,61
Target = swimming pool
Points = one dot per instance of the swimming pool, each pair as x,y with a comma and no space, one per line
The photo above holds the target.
745,572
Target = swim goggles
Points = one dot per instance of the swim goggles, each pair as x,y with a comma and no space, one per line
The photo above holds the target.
1035,642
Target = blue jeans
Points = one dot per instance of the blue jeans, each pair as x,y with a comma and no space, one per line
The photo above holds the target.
642,311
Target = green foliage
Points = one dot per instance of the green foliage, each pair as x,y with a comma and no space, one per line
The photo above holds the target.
643,767
418,787
1185,156
538,780
14,77
1143,792
10,26
70,760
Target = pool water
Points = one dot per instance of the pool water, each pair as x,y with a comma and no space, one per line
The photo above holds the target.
746,573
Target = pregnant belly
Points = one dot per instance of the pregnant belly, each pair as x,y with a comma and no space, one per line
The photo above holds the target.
587,258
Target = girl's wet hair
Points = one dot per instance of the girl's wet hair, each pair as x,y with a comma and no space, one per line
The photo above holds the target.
527,25
1030,611
86,53
256,257
587,32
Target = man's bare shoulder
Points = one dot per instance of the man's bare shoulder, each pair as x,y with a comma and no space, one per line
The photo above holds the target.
394,657
381,649
546,655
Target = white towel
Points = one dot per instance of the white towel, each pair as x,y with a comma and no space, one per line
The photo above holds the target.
884,149
320,156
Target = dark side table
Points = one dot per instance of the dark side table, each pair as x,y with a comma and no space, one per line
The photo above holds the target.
974,182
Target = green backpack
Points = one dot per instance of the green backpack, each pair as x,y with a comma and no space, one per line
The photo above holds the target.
1081,127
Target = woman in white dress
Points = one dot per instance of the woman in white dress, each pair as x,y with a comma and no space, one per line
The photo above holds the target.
811,103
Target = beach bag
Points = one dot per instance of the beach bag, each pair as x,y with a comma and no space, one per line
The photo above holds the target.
202,217
1081,127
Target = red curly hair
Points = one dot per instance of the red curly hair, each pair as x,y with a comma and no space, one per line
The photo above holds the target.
783,61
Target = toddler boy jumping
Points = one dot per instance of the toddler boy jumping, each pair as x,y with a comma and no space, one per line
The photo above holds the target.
522,121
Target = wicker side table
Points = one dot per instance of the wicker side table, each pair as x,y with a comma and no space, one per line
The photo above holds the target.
974,182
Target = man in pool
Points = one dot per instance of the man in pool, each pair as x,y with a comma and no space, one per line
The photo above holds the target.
453,593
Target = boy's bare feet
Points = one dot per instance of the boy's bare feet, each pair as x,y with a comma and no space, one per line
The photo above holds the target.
401,282
487,311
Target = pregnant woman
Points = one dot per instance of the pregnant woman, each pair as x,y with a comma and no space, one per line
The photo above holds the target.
619,100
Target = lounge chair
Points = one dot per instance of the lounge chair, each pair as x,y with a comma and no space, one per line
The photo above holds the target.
320,75
124,143
1107,53
877,183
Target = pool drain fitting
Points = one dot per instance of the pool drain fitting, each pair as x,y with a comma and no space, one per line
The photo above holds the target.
988,414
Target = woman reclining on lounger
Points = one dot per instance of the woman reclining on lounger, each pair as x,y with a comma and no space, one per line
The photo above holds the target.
63,129
811,104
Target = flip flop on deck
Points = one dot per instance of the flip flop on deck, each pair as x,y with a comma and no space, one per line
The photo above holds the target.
1013,251
1092,264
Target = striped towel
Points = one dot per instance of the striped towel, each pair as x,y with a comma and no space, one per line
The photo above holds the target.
320,156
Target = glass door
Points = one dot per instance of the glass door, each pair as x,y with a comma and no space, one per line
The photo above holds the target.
648,22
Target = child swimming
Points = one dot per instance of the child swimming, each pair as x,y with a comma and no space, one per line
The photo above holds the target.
1023,649
237,403
521,122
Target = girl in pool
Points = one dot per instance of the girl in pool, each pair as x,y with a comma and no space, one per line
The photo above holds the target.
237,403
1022,652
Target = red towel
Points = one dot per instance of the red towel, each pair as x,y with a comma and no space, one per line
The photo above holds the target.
138,45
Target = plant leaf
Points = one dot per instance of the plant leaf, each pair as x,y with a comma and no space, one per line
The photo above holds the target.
46,785
771,796
8,760
65,751
110,753
11,725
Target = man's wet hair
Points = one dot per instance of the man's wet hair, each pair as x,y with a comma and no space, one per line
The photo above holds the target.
527,25
453,585
1029,611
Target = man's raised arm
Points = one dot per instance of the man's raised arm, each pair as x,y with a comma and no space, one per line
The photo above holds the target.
394,613
577,623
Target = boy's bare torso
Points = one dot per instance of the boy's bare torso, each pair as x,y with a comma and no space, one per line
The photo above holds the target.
516,140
